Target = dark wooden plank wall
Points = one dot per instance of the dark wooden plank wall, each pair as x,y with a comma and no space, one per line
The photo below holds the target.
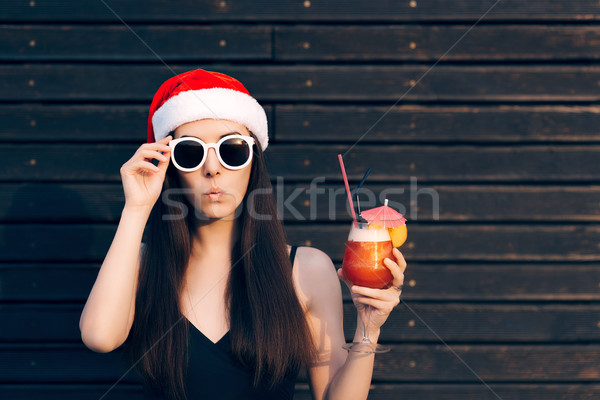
502,292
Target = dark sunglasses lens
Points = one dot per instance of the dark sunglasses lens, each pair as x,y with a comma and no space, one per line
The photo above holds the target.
234,152
188,153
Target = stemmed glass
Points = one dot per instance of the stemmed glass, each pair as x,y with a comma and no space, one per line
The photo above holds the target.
366,248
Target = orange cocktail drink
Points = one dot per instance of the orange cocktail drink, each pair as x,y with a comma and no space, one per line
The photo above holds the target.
363,260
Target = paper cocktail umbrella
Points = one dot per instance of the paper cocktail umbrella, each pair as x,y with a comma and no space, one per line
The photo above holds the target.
384,216
389,218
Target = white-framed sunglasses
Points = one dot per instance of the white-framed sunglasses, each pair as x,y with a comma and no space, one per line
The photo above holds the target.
233,151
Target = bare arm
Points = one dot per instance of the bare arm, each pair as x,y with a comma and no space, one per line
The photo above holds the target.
109,311
339,374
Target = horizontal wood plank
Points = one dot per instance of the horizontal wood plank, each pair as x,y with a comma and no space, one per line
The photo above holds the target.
490,363
42,323
53,282
492,83
436,42
314,123
297,43
473,323
61,363
428,242
451,163
422,124
405,363
61,203
479,391
288,10
502,282
77,123
71,391
100,162
379,391
409,322
398,164
500,134
145,43
72,282
53,243
472,242
320,202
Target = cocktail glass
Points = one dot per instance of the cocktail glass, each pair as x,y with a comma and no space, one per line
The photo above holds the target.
366,248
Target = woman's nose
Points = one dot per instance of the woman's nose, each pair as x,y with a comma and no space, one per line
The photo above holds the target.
212,166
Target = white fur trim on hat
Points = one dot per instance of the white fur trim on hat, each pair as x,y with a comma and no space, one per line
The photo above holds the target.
214,103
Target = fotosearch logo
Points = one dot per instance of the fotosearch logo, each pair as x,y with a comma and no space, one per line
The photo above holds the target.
319,201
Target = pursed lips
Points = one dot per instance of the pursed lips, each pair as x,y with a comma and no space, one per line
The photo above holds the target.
214,193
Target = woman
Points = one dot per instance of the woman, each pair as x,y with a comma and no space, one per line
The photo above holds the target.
223,307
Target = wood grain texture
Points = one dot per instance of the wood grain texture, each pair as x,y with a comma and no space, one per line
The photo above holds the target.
109,123
298,43
431,43
320,202
57,43
472,282
380,391
501,134
426,124
61,363
502,282
289,10
490,363
47,282
326,124
431,163
61,203
75,391
394,163
409,322
405,363
447,243
306,83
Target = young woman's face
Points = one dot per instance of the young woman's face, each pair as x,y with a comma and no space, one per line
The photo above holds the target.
214,190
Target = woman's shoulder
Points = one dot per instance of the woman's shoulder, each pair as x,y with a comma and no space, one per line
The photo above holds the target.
313,256
314,273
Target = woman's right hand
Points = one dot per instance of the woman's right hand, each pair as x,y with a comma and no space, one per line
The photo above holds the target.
142,180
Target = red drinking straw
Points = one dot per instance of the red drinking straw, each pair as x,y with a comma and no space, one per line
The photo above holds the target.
347,189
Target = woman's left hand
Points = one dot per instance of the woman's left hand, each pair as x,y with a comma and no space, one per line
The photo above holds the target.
382,301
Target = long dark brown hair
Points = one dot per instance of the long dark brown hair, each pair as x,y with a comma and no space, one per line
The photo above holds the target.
269,332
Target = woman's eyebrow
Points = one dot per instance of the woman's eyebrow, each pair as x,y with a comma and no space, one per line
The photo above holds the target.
230,133
220,137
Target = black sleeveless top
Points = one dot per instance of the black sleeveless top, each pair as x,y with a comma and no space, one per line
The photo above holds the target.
214,374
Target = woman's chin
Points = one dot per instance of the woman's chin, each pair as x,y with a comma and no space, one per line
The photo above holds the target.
216,212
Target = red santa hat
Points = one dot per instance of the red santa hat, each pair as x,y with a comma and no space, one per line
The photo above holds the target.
200,94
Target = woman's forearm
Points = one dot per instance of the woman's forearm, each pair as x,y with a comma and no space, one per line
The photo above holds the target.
353,380
106,317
